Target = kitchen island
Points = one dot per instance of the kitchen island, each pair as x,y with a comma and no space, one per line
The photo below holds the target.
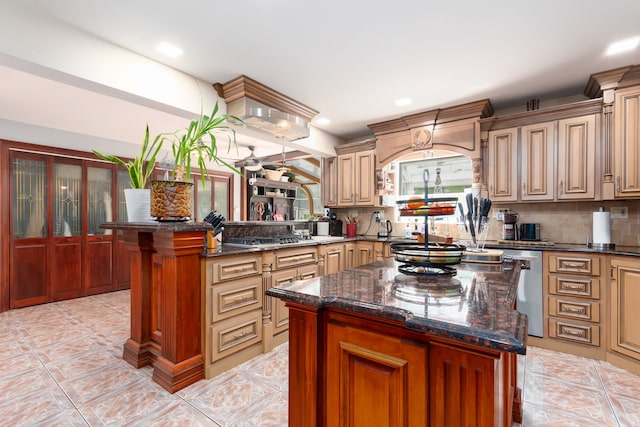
370,346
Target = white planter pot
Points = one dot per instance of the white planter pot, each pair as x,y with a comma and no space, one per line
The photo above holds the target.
138,204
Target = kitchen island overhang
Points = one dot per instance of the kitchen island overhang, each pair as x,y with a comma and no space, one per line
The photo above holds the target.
425,350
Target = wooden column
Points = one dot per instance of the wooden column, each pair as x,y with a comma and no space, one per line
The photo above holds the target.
176,278
166,300
305,396
138,349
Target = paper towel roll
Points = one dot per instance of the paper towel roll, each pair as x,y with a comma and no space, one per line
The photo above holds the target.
601,227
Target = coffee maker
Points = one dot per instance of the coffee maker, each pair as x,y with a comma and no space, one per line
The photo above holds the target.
509,226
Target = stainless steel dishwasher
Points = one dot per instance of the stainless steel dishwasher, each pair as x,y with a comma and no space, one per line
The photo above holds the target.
529,300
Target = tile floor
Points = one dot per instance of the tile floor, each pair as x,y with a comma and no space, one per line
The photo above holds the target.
62,366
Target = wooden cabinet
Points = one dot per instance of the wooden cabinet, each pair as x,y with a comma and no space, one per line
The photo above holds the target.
290,265
537,161
330,181
364,367
356,184
627,143
625,301
364,253
503,165
550,160
334,257
574,309
576,158
233,311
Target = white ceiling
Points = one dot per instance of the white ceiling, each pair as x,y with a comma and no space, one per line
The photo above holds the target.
351,59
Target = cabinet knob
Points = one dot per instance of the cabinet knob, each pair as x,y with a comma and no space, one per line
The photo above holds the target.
618,184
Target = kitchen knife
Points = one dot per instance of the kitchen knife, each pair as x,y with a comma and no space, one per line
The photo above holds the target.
462,218
470,217
481,209
485,212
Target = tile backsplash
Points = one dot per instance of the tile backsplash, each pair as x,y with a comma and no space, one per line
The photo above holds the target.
560,222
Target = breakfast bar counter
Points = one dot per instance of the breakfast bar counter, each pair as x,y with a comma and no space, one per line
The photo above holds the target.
371,346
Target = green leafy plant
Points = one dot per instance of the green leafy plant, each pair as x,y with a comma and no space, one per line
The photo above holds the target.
141,167
198,142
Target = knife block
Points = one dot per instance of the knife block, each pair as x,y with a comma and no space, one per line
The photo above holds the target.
212,242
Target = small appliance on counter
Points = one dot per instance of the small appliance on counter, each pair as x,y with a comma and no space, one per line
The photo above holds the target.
384,226
509,226
335,226
530,231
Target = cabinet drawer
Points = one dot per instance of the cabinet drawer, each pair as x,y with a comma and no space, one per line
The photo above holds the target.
238,296
575,286
577,332
575,264
233,268
235,334
576,309
296,256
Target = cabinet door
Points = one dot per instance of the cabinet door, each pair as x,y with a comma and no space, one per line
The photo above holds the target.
576,158
349,256
330,181
364,179
627,143
502,173
374,379
625,300
364,253
537,161
334,258
346,180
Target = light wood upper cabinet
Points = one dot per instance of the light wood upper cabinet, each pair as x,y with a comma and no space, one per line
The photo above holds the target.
576,157
550,160
627,143
625,300
503,165
355,179
537,161
330,182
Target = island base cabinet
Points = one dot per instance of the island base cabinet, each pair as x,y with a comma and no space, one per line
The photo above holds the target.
374,380
352,370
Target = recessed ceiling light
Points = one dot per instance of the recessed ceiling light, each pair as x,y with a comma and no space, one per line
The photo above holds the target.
403,102
169,50
322,121
623,45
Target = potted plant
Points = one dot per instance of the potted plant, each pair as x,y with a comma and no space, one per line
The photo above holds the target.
171,199
137,197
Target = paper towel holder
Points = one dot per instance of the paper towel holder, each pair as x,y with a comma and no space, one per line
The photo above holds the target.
602,246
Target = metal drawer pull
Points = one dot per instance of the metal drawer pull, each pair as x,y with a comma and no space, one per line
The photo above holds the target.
240,335
569,285
574,309
242,298
574,331
241,269
573,264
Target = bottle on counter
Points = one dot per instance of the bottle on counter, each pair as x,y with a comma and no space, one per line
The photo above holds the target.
407,231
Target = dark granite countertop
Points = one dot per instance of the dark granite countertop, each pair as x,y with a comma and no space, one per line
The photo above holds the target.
226,249
159,227
563,247
474,307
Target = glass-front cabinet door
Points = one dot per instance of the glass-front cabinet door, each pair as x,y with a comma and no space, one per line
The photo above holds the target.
29,230
57,248
99,248
66,246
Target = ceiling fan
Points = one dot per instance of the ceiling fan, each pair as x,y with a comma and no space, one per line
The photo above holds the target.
251,162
